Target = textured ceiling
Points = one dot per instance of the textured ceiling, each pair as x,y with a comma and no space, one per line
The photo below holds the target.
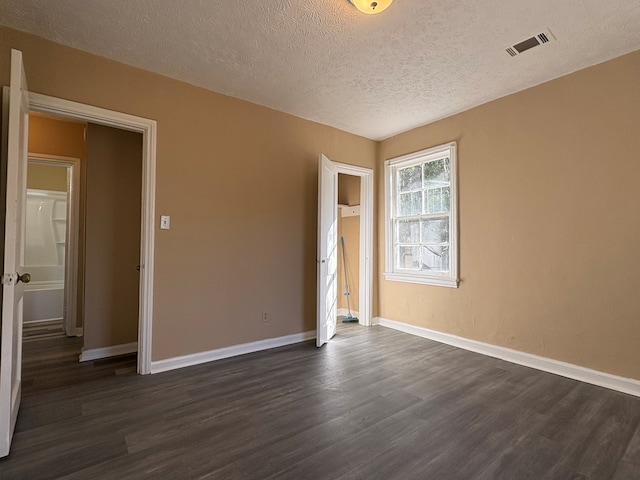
372,75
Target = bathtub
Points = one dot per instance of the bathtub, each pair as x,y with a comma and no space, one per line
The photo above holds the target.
44,294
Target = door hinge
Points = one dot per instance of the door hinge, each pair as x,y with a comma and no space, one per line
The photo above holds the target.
9,279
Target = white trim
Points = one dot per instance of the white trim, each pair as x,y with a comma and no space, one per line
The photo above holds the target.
72,233
365,277
564,369
148,129
41,320
79,332
43,286
112,351
421,279
226,352
345,311
348,211
447,279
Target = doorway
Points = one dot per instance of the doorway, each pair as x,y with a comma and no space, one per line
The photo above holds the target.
147,128
364,259
328,240
348,248
51,245
107,237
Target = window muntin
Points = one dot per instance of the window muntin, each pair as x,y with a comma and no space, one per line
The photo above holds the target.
421,217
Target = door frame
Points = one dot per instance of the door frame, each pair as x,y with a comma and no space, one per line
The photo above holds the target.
365,261
148,129
72,232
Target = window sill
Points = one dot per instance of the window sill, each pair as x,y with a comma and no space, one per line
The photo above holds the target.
422,279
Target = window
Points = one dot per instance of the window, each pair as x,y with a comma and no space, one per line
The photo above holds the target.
421,217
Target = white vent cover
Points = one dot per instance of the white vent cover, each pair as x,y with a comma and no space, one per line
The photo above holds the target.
524,45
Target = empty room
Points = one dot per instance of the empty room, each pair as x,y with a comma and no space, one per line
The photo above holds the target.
323,239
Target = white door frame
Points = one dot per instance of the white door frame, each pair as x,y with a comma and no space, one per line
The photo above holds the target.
72,232
148,129
365,277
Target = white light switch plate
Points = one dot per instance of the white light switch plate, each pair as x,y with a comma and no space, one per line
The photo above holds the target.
165,222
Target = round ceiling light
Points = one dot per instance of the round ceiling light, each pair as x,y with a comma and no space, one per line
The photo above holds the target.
371,6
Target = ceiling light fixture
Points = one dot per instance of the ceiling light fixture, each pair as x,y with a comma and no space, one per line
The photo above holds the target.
371,6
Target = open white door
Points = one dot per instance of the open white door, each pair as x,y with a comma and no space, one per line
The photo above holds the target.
327,250
15,111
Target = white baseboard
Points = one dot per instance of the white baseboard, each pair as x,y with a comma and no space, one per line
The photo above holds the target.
344,311
79,331
226,352
104,352
42,320
569,370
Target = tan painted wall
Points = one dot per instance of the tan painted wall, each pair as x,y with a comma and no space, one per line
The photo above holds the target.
349,228
240,184
348,189
114,192
50,136
47,177
549,192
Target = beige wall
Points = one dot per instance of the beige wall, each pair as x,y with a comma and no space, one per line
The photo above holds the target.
549,192
51,136
112,252
47,177
240,184
349,228
348,189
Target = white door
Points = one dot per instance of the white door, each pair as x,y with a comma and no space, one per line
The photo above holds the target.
15,111
327,250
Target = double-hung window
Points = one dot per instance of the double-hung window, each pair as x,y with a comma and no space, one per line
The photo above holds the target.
421,217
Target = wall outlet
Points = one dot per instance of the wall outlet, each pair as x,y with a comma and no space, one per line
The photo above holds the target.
265,317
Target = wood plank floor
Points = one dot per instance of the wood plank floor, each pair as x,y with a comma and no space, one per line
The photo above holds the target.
372,404
53,328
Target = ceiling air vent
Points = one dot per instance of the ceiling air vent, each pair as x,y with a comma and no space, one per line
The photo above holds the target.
523,46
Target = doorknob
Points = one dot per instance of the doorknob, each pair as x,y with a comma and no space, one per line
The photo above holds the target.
24,278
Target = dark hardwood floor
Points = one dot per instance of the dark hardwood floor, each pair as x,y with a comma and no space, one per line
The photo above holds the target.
372,404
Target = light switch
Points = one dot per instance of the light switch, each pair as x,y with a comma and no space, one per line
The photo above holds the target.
165,222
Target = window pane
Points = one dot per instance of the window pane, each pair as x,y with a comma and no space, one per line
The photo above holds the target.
433,200
437,173
435,258
408,231
408,258
437,200
446,199
409,204
410,178
435,230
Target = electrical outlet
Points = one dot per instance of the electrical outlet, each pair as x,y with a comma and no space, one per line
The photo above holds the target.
265,317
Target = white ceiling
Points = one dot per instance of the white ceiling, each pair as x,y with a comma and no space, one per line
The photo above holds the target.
372,75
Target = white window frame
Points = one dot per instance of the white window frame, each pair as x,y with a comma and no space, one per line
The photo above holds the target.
445,279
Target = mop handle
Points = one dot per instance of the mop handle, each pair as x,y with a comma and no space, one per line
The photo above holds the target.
344,265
